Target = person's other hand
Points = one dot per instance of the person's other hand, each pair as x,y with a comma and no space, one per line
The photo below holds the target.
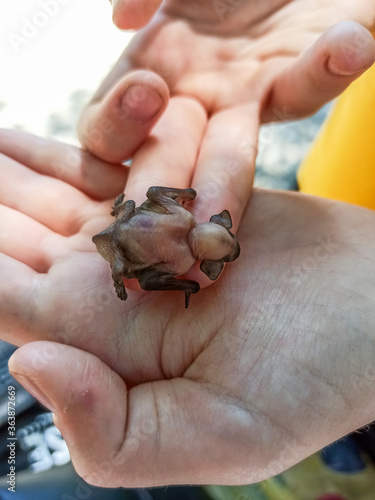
228,65
271,363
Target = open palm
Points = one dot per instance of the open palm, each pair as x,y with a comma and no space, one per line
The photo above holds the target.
253,377
228,67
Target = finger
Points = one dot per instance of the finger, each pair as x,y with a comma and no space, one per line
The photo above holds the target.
165,432
28,241
133,14
67,304
224,174
94,177
38,368
169,155
32,368
121,115
34,244
17,286
321,73
225,170
50,202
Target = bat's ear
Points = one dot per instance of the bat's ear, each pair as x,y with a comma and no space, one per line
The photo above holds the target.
105,244
212,268
223,219
117,204
121,210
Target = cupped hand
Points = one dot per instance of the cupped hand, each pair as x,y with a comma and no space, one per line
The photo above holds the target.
228,66
271,363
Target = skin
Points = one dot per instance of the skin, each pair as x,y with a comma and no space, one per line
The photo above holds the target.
219,75
273,362
160,240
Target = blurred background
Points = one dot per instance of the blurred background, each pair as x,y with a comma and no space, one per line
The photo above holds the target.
54,54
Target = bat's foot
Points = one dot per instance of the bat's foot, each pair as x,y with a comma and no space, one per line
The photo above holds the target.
121,291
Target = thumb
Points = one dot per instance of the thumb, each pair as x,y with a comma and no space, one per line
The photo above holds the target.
122,113
322,72
164,432
133,14
88,399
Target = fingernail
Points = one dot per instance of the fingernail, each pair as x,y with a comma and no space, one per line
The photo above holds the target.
113,2
141,104
34,390
342,71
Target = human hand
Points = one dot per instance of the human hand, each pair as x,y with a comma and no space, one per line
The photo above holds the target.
271,363
229,66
